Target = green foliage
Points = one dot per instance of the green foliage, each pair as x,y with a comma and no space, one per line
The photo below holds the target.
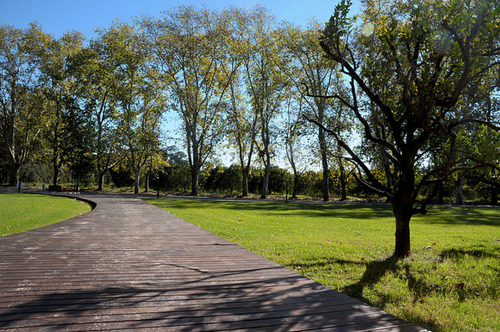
222,179
267,85
22,212
340,24
63,111
188,46
22,109
450,283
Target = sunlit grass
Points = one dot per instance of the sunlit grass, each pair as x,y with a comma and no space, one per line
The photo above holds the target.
450,282
22,212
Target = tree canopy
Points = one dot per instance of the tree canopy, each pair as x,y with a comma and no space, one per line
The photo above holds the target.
413,66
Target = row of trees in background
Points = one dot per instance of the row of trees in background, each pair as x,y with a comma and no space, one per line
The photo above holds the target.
174,177
234,78
405,102
226,180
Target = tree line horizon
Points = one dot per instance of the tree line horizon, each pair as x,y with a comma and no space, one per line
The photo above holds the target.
402,99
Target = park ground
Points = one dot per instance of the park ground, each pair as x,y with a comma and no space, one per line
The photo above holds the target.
450,282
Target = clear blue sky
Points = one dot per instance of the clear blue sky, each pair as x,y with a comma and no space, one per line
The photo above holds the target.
60,16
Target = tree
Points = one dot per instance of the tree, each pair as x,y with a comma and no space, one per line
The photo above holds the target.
313,76
94,70
412,61
482,145
189,54
267,86
59,94
22,113
139,96
242,120
176,173
78,142
296,148
242,126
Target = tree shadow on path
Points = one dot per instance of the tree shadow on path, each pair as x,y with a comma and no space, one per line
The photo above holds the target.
269,305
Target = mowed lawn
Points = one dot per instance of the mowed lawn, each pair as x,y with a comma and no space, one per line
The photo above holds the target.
450,283
22,212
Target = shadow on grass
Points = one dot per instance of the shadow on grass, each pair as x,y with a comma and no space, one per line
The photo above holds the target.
456,215
419,284
374,272
459,254
331,210
447,215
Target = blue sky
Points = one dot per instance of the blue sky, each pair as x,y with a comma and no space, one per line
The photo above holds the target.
60,16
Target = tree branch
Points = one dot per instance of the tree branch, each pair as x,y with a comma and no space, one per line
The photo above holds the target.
374,184
492,125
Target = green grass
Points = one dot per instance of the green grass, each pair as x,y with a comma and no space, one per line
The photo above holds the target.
22,212
449,283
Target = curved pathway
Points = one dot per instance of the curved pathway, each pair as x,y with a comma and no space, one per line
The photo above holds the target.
129,265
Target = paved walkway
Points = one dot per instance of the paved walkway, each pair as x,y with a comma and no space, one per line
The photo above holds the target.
129,265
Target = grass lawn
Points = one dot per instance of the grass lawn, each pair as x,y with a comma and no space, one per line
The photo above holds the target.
22,212
450,282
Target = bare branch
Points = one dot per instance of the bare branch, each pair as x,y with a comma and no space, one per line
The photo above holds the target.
336,96
370,186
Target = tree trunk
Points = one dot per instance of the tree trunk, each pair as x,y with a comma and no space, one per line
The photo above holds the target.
55,146
402,248
245,175
343,187
146,187
136,181
55,163
265,184
14,174
324,164
100,181
195,175
387,169
295,189
55,176
343,180
459,190
291,159
78,183
441,194
402,206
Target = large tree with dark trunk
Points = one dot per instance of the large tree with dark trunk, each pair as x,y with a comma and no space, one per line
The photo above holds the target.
408,66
